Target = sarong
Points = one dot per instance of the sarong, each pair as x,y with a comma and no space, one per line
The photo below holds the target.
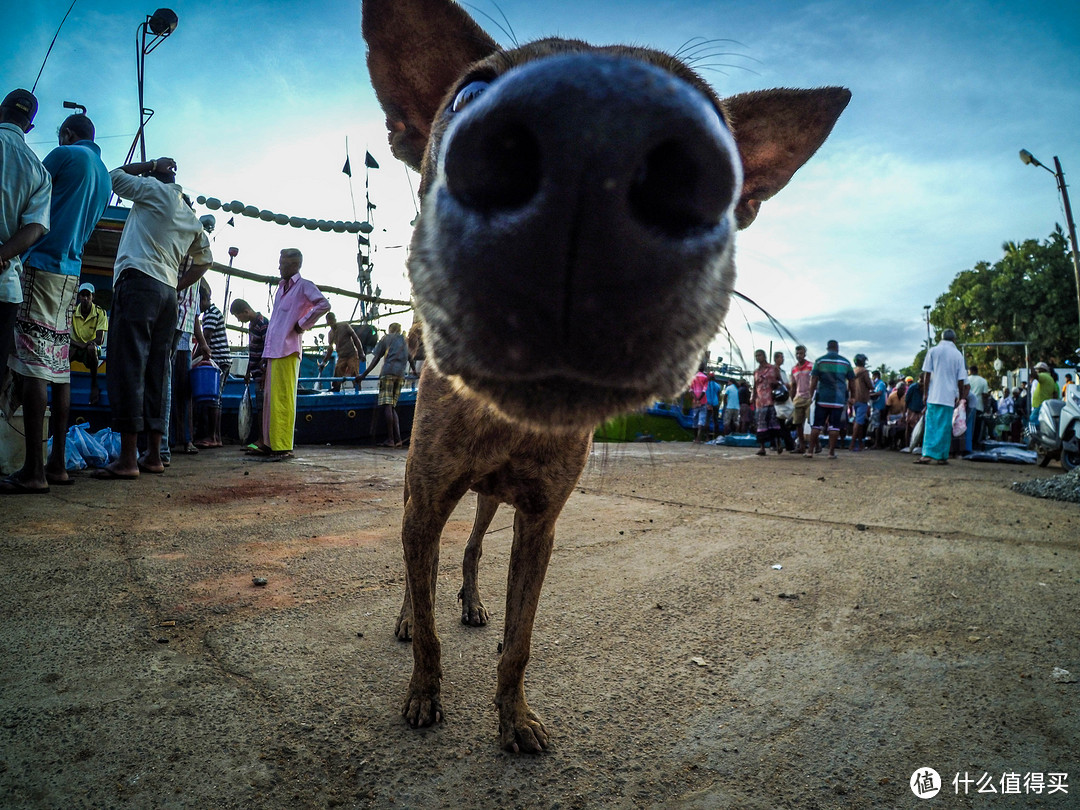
768,425
279,401
43,326
390,389
937,431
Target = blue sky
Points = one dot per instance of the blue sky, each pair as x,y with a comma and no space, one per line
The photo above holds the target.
919,180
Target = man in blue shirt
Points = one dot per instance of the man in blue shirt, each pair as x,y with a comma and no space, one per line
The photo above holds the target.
731,409
80,192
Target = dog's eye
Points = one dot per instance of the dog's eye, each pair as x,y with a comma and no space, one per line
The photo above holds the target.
467,94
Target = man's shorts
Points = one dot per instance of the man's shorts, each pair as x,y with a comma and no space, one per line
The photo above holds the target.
801,410
81,354
825,416
700,413
862,412
349,367
390,389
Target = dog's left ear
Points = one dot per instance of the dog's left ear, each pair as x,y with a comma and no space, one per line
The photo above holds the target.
777,131
417,49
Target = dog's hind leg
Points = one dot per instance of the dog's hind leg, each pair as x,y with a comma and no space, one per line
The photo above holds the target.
520,729
473,612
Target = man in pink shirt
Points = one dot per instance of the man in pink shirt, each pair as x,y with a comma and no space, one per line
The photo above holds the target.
697,389
800,394
298,306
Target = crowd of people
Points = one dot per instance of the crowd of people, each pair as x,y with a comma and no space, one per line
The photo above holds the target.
816,407
162,321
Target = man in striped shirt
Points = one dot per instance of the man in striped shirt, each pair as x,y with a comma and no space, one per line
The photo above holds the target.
831,387
215,347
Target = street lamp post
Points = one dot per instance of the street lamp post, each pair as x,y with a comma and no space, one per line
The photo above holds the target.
1059,175
926,312
161,23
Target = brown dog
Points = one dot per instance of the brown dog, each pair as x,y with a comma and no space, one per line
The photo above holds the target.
572,259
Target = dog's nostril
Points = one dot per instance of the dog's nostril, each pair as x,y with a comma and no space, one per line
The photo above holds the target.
499,169
678,195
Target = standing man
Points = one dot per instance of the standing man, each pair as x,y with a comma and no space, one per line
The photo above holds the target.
944,382
392,346
800,395
861,389
343,338
257,326
831,384
698,411
766,377
160,231
80,191
879,402
298,306
713,394
89,323
913,410
786,408
980,389
731,408
213,346
25,193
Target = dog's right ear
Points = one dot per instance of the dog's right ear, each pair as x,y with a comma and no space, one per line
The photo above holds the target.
417,49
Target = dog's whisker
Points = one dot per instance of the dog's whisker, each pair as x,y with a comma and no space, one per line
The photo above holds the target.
507,30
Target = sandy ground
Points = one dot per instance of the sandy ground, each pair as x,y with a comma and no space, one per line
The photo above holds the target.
916,622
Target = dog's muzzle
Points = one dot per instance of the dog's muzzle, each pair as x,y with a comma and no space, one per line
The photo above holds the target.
577,235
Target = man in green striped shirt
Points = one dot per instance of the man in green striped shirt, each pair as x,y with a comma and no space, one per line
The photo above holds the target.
831,388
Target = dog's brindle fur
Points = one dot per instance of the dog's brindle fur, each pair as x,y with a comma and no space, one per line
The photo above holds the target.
572,259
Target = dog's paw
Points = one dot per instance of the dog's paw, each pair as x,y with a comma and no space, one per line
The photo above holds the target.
403,626
473,612
521,730
422,706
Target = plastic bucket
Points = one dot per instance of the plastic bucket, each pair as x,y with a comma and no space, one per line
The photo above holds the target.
205,383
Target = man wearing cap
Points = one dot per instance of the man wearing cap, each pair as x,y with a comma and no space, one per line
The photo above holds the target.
80,191
1044,387
25,192
944,381
89,323
161,231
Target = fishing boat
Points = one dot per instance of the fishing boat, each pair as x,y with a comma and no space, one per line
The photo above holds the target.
323,416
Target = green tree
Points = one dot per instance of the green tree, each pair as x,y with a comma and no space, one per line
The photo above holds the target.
1028,294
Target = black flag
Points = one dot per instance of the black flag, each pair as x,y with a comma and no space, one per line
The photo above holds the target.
347,169
369,161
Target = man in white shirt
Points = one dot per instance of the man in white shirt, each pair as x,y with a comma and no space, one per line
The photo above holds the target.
160,232
979,388
25,198
944,379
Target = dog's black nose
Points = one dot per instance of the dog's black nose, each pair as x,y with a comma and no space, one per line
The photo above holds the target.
646,140
573,191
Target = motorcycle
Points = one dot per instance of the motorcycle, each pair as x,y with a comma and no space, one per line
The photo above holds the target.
1057,435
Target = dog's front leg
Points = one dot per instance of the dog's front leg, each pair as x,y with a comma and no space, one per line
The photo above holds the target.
520,729
420,531
473,611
